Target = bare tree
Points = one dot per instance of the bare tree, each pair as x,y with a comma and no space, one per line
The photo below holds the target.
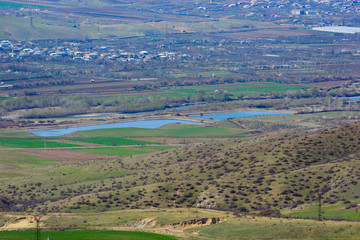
37,221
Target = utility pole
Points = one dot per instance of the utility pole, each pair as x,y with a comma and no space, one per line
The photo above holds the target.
37,220
319,213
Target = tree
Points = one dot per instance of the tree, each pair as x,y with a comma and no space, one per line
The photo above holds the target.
200,95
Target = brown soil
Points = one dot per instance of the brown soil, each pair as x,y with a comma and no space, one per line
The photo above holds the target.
144,223
329,84
60,155
19,222
197,222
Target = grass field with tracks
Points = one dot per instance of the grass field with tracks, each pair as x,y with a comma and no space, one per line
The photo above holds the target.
32,143
83,235
110,141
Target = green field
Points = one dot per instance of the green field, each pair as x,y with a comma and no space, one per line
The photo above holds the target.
273,228
181,131
110,141
32,143
329,211
113,151
83,235
249,89
24,161
231,227
246,89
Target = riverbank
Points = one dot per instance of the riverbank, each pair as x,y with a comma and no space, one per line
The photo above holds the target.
91,119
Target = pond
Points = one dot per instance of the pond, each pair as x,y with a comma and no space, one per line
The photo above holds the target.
151,123
137,124
244,114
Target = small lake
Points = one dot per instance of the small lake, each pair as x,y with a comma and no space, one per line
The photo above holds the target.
244,114
355,98
137,124
152,123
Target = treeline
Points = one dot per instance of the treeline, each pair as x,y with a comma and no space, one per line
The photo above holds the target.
314,93
54,106
48,106
44,106
44,101
280,104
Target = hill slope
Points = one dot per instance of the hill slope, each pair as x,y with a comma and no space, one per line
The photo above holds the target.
285,171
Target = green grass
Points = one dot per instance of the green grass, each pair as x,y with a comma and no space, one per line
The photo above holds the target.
267,228
113,151
15,135
110,141
250,89
186,131
32,143
83,235
329,211
245,227
24,161
246,89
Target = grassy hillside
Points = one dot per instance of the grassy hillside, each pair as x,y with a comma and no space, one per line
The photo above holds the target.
262,174
182,224
175,188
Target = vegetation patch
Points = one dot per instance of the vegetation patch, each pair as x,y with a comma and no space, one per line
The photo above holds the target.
248,89
181,131
84,235
32,143
156,147
339,210
113,151
110,141
25,161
